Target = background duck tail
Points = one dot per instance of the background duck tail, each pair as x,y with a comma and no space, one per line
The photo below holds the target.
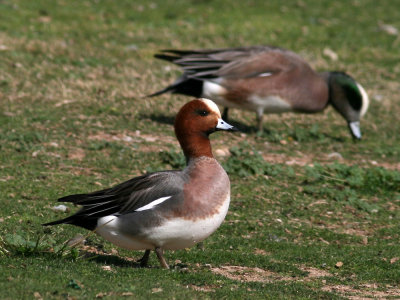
185,86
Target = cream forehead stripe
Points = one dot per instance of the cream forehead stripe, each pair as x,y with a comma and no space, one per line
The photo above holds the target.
212,106
365,99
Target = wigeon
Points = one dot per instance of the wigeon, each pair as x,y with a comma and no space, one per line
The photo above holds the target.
167,209
265,80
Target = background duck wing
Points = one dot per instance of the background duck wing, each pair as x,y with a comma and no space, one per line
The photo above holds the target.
205,64
258,64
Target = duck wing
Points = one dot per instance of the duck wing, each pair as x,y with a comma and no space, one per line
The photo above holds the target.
124,198
213,63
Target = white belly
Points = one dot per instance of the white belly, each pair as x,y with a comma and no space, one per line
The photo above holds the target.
268,104
173,234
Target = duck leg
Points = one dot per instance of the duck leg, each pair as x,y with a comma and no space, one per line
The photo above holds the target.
161,258
225,114
260,115
145,259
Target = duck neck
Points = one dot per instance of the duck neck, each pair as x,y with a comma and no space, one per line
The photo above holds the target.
326,76
195,145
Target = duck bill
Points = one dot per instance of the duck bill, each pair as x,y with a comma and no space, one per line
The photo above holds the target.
355,129
222,125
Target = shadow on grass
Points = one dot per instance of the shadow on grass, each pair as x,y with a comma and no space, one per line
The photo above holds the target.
271,135
70,253
110,259
122,262
159,118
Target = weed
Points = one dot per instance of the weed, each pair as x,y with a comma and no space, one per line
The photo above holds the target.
175,159
372,180
245,161
17,244
307,134
22,142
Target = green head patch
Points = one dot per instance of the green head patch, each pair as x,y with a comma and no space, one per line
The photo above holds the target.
349,88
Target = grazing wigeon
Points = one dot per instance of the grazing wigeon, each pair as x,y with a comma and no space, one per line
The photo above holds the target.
265,80
167,209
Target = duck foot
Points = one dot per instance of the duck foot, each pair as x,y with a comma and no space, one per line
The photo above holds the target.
200,246
161,258
145,259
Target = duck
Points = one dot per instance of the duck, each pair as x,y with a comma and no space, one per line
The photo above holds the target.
164,210
265,79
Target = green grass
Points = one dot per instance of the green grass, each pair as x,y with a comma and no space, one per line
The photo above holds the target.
304,195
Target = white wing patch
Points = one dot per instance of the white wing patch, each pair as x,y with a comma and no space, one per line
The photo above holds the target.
265,74
212,90
153,203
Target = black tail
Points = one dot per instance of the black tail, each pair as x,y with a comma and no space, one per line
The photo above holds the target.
170,88
67,220
185,86
166,57
87,223
70,219
76,219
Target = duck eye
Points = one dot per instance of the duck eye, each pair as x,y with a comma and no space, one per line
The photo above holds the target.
202,112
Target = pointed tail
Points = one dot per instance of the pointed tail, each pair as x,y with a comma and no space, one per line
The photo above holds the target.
170,88
183,85
68,220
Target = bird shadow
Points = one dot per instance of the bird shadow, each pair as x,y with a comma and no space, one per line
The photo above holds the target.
159,118
242,127
110,260
267,133
118,261
338,139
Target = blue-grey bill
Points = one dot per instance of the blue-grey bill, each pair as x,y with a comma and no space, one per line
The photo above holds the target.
222,125
355,129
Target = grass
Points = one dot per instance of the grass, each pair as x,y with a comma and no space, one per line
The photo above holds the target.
313,214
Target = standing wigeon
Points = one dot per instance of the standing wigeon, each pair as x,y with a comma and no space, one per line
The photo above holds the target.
167,209
265,80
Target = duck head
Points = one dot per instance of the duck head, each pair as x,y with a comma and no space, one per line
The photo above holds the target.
195,121
349,98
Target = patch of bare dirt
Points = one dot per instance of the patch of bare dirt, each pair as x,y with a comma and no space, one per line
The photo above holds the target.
366,291
359,229
284,159
77,154
307,160
130,136
261,252
314,272
247,274
296,158
157,142
113,294
76,170
389,166
203,288
353,228
354,231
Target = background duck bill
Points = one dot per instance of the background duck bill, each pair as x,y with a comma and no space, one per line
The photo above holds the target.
355,129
